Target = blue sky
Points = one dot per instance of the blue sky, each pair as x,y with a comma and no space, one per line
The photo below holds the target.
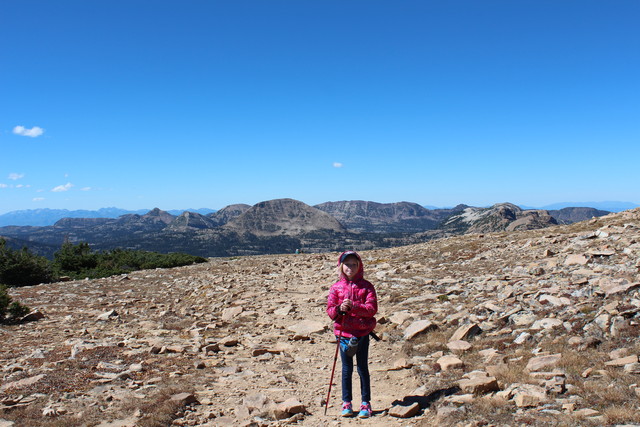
204,103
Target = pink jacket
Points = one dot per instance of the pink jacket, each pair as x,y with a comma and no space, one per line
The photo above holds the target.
360,321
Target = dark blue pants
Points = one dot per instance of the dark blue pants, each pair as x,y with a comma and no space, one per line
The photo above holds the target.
362,361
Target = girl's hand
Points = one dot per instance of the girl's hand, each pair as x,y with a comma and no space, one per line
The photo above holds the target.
346,305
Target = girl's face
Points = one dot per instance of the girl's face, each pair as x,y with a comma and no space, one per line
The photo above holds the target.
350,267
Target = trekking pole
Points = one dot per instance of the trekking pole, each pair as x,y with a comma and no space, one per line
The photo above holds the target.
333,370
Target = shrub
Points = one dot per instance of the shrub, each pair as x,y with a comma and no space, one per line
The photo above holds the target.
13,309
22,268
79,261
74,260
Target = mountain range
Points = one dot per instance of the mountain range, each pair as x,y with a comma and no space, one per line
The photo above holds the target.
285,225
43,217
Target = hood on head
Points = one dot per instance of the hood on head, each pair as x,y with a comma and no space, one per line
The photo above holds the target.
360,274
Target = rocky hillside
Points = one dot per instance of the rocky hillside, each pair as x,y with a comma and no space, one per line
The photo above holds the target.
571,215
191,221
402,217
283,216
228,213
534,327
500,217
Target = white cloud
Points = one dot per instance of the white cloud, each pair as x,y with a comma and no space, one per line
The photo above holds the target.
38,199
3,185
14,176
33,132
61,188
337,165
85,189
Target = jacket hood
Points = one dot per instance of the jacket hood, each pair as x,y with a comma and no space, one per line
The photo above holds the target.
360,274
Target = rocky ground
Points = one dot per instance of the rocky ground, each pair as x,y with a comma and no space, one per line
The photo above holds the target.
525,328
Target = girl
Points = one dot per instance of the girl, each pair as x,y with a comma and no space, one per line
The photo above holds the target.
352,303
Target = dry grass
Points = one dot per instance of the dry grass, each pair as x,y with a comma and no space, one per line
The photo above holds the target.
31,415
78,376
610,390
618,414
158,410
492,411
427,343
177,324
70,375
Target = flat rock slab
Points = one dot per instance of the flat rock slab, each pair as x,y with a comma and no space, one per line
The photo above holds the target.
306,328
622,361
459,346
231,312
585,412
612,288
419,327
576,260
400,411
292,406
449,362
529,396
108,315
465,332
25,382
184,398
400,317
553,300
541,362
255,401
127,422
546,323
479,385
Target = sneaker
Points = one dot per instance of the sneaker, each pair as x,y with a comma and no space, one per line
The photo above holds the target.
347,409
365,410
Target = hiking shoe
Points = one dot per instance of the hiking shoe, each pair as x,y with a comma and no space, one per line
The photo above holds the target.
365,410
347,409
